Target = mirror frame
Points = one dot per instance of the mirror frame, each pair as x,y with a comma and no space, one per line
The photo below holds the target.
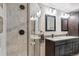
62,24
52,22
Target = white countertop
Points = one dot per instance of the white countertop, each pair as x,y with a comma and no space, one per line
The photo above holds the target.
61,38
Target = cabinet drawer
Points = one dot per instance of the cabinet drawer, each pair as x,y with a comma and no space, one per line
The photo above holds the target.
69,41
68,46
57,43
75,40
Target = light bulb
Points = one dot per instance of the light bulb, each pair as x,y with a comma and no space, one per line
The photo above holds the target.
54,12
39,13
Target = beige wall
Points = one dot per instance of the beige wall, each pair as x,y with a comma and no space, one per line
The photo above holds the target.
45,10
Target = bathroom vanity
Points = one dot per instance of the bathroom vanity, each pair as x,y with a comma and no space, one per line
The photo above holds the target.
61,46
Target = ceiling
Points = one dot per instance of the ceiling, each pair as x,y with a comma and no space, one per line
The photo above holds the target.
67,7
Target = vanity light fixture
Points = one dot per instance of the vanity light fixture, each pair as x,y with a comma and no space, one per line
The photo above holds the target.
52,11
65,15
36,16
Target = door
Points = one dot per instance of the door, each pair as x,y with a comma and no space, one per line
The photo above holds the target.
16,29
34,42
73,24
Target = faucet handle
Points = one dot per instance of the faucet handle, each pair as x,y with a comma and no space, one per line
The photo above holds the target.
42,36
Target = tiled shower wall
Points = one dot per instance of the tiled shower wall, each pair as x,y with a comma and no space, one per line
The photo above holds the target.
16,20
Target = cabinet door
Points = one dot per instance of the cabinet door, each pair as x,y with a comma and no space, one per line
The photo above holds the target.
61,50
49,48
57,52
68,49
75,47
78,44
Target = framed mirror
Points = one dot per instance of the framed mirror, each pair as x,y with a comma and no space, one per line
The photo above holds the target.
35,18
64,24
50,23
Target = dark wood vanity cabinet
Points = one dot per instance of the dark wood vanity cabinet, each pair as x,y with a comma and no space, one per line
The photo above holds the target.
49,48
73,24
61,48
